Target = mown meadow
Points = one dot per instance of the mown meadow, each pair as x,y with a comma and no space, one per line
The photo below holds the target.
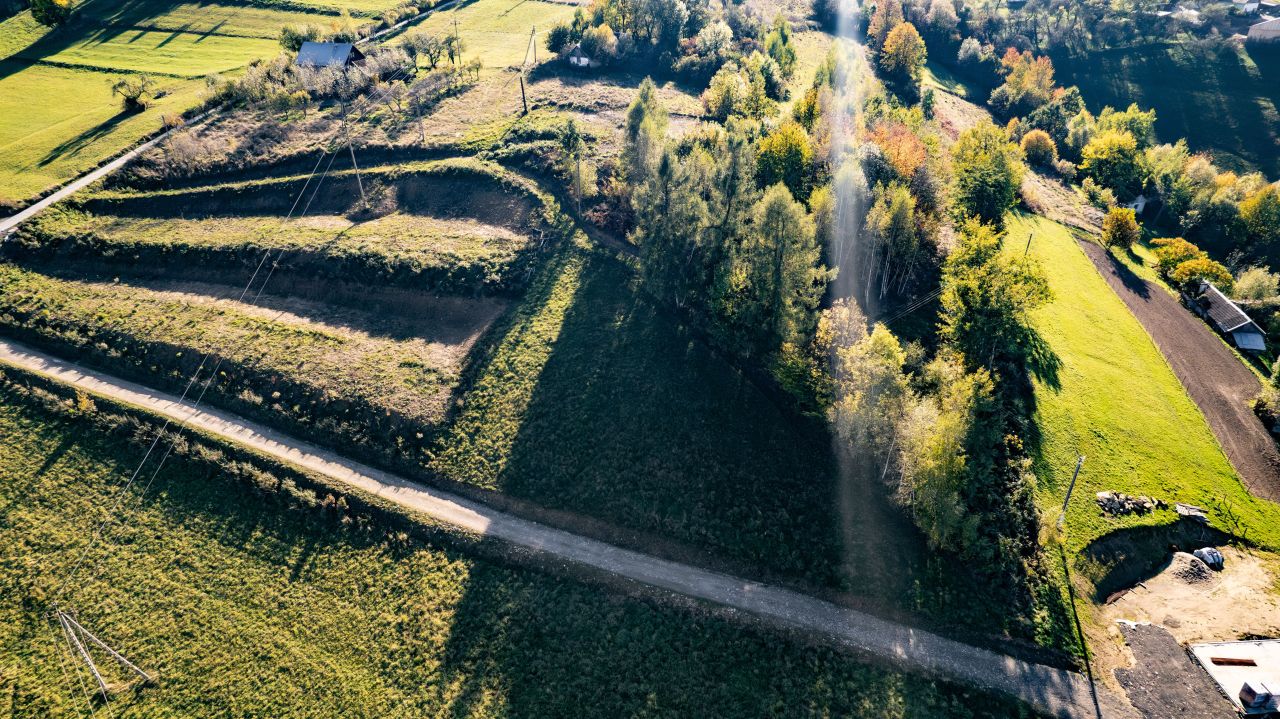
1119,403
248,592
58,117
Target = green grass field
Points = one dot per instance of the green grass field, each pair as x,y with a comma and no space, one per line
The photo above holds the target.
75,125
497,31
1226,102
1119,404
58,118
247,602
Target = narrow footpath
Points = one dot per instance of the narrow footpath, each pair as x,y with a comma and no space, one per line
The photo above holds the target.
1053,691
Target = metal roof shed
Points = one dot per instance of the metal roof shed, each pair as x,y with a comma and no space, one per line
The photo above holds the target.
1227,317
328,54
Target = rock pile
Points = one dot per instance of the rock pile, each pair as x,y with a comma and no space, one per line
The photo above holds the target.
1190,569
1119,503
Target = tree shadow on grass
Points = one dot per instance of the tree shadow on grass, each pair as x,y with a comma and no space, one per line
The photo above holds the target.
74,145
635,422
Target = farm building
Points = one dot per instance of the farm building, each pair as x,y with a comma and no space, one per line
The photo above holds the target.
1227,318
579,58
1246,7
1265,31
328,54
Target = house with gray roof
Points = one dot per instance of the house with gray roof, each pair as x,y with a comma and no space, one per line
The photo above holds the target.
1227,318
328,54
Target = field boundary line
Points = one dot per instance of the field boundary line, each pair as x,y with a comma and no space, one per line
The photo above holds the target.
1057,692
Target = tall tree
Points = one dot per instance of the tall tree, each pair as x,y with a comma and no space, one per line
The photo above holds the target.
671,218
775,279
904,54
644,133
988,171
986,300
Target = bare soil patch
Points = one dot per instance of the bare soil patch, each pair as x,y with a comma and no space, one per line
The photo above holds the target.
1197,604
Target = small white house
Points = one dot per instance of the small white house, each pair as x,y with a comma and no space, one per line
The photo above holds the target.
580,59
1246,7
1265,31
1138,205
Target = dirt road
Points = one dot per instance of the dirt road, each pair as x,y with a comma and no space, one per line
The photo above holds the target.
1214,377
1053,691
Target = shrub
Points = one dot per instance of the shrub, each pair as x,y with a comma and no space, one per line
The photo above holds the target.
134,91
1066,169
559,37
1040,148
51,12
1256,283
1203,268
292,36
1173,251
1097,195
1120,229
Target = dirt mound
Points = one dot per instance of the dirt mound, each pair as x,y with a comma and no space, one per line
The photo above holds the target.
1190,569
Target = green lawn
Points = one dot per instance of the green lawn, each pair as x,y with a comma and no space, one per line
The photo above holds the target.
58,118
245,600
1225,102
497,31
1119,404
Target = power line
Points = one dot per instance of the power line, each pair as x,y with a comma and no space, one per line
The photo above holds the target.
70,627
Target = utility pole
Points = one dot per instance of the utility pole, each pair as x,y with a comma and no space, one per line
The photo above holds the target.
523,100
1062,518
346,131
75,633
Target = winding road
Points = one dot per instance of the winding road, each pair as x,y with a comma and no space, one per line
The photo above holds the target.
1053,691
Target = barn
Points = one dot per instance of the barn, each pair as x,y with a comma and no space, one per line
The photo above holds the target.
328,54
1227,318
1265,31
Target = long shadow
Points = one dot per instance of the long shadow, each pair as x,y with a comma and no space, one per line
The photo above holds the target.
74,145
635,422
421,626
94,20
1204,83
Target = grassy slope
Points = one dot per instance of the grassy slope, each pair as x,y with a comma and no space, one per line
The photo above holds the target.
470,253
1119,404
594,402
75,125
497,31
1221,102
332,353
57,122
244,606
